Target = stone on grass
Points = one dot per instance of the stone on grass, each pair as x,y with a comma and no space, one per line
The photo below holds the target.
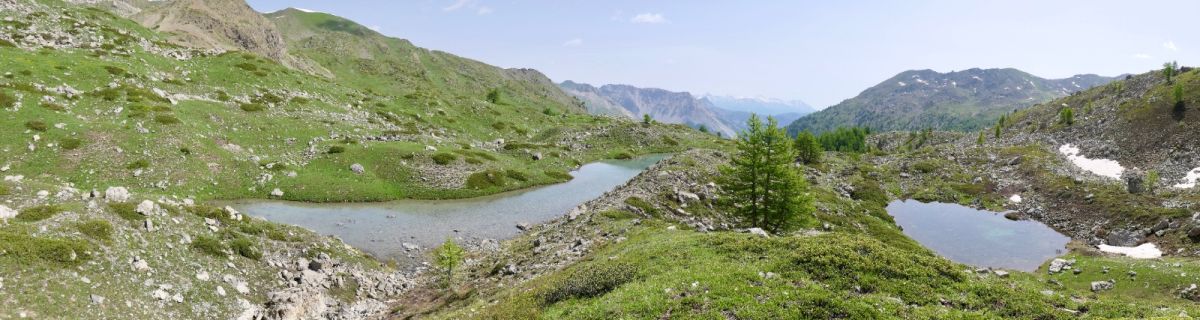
7,213
759,232
116,194
1098,286
277,193
146,208
358,168
1058,265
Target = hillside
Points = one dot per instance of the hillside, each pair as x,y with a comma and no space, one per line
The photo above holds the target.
962,100
119,139
662,105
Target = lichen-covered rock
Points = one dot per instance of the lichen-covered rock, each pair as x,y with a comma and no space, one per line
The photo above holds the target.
117,194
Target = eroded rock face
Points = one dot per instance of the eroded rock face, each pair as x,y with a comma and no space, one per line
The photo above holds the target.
1098,286
1135,180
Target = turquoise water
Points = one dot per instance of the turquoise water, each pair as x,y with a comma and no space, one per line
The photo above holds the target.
978,237
381,229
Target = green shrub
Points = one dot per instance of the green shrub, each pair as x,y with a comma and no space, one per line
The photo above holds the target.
166,119
868,190
588,281
96,229
116,71
25,250
559,175
126,211
247,66
70,143
211,212
473,160
500,125
139,164
444,158
253,107
486,179
622,155
4,190
618,214
36,125
7,101
223,96
927,166
246,248
644,206
38,213
516,175
336,149
209,245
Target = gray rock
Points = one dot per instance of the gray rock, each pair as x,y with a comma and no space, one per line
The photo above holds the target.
1124,238
96,299
357,168
524,226
116,194
1134,180
1058,265
1001,273
1098,286
759,232
277,193
537,156
1194,234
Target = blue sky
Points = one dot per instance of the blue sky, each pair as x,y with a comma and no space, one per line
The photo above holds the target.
821,52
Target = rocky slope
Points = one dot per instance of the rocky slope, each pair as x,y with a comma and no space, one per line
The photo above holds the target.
761,106
662,105
962,100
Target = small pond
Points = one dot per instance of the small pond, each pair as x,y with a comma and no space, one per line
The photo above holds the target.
382,229
978,237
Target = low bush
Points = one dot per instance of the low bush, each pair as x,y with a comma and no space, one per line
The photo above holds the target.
516,175
253,107
53,106
927,166
26,250
246,248
336,149
167,119
622,155
209,245
444,158
6,100
70,143
588,281
486,179
36,125
126,211
38,213
559,175
644,206
139,164
96,229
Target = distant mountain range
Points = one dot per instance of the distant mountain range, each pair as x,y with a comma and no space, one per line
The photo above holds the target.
962,100
724,115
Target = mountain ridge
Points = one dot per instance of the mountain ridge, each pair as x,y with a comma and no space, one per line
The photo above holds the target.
957,100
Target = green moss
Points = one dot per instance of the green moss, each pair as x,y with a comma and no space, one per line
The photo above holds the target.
587,281
38,213
166,119
559,175
486,179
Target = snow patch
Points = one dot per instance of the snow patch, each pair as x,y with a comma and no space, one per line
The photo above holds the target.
902,83
1016,198
1144,251
1189,181
306,10
1102,167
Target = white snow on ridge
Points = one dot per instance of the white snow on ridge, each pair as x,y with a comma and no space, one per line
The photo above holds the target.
306,10
1102,167
1144,251
1190,179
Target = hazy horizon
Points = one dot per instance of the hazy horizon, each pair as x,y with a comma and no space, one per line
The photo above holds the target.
782,50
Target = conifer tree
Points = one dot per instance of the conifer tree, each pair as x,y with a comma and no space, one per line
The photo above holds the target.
762,185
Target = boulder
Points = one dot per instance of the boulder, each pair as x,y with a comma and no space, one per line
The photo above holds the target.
1124,238
759,232
357,168
1134,180
277,193
1098,286
1194,234
140,265
1058,265
524,226
537,156
7,213
100,299
1001,273
146,208
116,194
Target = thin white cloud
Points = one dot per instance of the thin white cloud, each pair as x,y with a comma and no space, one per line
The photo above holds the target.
457,5
648,18
375,28
1170,45
1142,56
573,42
483,11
